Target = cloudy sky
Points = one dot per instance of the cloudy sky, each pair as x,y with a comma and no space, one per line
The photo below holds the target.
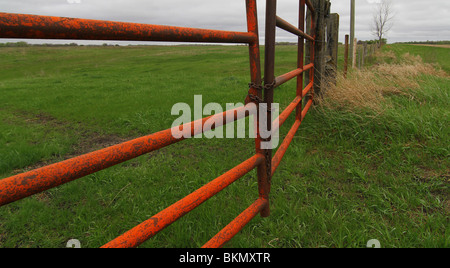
415,20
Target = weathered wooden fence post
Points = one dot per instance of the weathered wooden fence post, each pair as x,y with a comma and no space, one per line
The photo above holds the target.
359,50
319,46
355,46
364,54
332,48
347,37
322,8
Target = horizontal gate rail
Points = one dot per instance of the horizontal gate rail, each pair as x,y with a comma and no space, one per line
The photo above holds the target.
284,146
237,224
289,137
310,6
147,229
43,27
292,29
39,180
289,76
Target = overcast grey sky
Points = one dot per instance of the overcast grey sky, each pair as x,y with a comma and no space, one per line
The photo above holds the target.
415,20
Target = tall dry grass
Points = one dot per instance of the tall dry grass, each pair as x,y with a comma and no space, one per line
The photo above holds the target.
367,88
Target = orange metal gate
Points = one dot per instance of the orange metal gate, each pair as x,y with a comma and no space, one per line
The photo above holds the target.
41,27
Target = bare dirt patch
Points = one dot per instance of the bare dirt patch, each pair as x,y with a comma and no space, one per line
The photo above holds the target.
88,140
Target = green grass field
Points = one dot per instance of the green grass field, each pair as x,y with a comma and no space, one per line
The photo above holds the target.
348,177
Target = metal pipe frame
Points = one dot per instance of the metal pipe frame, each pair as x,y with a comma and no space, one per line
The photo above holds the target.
36,181
43,27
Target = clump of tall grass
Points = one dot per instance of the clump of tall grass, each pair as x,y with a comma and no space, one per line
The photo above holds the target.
367,88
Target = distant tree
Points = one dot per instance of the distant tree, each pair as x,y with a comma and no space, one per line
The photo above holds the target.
382,20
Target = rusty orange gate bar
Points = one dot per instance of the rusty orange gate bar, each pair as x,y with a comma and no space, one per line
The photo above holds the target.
42,27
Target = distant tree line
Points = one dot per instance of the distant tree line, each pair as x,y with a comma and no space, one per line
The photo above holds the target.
286,44
25,44
373,42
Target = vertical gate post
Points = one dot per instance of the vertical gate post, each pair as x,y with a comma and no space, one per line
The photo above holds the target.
300,53
255,89
269,84
308,49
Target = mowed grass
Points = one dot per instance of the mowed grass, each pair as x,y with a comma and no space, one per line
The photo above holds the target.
348,177
434,55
